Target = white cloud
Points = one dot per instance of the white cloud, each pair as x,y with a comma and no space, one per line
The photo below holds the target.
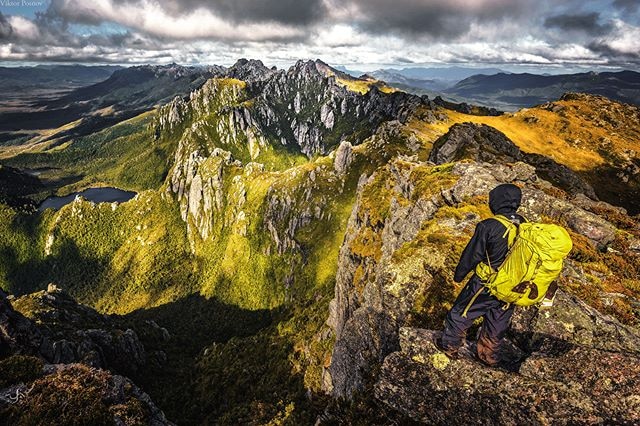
624,39
150,31
339,35
24,28
150,17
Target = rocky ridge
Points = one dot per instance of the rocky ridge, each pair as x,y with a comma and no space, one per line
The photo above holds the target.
486,144
62,344
231,123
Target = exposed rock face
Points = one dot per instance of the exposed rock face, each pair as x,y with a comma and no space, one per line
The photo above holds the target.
379,282
66,332
578,385
343,157
486,144
302,108
249,70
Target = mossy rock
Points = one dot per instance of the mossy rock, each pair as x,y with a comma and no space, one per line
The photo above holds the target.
19,369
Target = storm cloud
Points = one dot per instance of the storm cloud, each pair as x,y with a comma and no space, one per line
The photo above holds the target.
628,6
5,28
548,33
290,12
587,22
436,18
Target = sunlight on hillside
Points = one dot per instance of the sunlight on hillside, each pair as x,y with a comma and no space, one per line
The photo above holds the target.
581,135
363,86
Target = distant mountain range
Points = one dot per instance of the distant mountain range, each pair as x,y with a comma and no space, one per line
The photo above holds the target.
436,79
512,91
117,95
48,76
496,88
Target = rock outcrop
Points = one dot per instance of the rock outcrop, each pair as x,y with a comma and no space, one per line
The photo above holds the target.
406,232
486,144
52,325
55,361
577,385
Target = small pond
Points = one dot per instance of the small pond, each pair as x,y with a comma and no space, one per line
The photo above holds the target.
96,195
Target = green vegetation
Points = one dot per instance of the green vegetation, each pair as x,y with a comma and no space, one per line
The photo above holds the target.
114,258
125,155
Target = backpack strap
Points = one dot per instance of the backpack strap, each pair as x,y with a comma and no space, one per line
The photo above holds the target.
485,270
512,229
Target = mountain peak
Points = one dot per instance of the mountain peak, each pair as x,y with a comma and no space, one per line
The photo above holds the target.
249,70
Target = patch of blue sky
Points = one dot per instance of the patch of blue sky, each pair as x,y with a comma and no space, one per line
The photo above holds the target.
105,28
26,8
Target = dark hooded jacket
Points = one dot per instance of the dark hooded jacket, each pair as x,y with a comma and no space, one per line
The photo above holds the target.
487,240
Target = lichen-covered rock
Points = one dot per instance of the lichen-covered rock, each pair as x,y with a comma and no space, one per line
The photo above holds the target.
571,321
580,386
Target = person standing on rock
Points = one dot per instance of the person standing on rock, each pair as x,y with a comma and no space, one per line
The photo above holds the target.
489,244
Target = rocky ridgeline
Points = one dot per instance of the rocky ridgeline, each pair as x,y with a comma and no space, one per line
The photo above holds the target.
230,123
58,341
395,270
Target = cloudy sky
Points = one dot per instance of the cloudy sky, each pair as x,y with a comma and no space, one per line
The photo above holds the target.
361,34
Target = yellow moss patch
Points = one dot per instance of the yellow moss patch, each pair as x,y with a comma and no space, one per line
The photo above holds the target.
439,361
419,359
430,180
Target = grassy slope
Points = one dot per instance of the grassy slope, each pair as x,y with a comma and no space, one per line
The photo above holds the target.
591,135
125,155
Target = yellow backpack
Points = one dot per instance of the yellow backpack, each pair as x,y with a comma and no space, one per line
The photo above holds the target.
534,261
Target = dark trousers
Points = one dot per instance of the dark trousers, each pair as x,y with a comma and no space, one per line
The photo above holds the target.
475,301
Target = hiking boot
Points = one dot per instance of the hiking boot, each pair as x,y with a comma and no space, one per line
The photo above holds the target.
451,353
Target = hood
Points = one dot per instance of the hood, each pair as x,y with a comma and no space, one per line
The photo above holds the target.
505,199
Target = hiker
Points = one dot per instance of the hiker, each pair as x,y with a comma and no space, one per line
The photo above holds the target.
489,244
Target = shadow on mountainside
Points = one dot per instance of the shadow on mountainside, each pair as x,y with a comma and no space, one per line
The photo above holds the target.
224,364
69,268
617,187
195,322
